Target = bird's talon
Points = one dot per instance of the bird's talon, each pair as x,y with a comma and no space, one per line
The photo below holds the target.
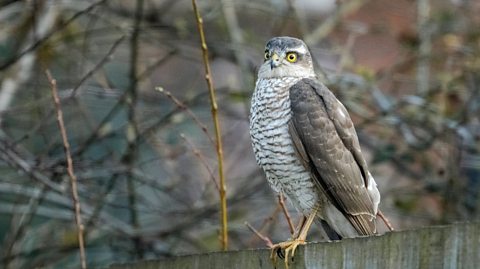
286,251
280,253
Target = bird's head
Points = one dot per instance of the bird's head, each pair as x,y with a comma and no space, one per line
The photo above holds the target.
286,57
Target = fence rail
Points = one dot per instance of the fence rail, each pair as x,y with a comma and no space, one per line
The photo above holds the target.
447,247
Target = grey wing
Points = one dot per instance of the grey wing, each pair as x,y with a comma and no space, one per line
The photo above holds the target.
327,144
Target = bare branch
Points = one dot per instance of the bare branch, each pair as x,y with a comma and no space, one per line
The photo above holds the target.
285,212
24,68
218,137
199,155
132,129
189,112
17,229
100,64
265,239
71,174
385,220
49,34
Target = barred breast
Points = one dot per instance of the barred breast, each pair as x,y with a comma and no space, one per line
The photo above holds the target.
272,145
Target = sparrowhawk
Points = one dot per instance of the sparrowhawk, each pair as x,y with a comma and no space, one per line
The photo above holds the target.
306,143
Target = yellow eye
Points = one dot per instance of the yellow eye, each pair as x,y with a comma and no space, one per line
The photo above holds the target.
292,57
266,56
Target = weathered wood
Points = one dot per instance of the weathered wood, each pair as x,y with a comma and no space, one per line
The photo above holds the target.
453,246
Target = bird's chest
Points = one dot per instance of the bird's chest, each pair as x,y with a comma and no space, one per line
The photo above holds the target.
274,150
269,117
270,110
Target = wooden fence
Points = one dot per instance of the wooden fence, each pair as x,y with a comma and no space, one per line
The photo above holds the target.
452,246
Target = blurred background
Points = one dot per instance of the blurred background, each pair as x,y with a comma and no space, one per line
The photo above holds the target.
407,71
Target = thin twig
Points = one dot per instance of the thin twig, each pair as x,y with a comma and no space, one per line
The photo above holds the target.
149,131
48,35
71,174
95,134
218,137
14,81
12,157
150,68
285,212
185,108
100,64
199,155
385,220
270,218
265,239
17,229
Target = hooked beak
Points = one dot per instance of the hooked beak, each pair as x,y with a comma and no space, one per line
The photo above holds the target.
274,61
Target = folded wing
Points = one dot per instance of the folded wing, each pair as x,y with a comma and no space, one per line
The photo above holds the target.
327,144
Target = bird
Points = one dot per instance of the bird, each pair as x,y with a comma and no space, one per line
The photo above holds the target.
305,141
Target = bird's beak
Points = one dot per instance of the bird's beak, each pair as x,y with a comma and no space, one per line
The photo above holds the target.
274,60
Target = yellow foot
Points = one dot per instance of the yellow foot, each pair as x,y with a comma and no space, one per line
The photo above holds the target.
288,247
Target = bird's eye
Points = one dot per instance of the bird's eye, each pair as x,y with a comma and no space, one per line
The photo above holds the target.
292,57
266,56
